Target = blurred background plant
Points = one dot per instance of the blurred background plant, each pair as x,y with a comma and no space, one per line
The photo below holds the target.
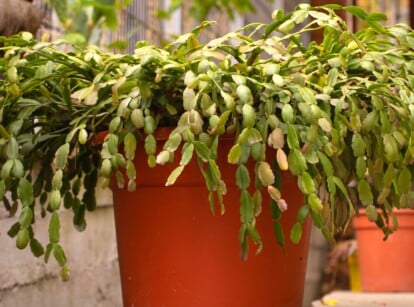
119,24
200,9
83,21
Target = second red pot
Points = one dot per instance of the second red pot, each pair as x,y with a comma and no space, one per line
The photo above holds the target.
386,266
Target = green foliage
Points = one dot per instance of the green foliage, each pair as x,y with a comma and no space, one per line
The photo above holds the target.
83,20
338,115
199,9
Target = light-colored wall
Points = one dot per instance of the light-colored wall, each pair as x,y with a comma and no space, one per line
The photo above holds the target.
92,258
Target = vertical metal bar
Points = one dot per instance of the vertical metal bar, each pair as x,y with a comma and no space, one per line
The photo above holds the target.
411,14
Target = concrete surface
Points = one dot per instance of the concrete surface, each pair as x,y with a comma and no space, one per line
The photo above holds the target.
92,259
316,263
361,299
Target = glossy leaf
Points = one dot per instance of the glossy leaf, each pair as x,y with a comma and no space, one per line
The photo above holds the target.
26,217
25,192
314,202
12,148
150,144
365,193
288,115
265,173
187,153
390,148
257,202
130,146
357,11
358,145
404,181
302,214
62,155
202,151
296,233
59,254
244,243
279,233
254,234
36,247
276,138
2,189
275,195
6,169
326,164
297,162
306,183
246,207
214,169
292,137
282,159
54,228
22,238
361,167
174,175
242,177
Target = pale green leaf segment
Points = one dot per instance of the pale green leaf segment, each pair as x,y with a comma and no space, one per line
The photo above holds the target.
339,113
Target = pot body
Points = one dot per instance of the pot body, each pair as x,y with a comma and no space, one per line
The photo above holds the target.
386,266
174,252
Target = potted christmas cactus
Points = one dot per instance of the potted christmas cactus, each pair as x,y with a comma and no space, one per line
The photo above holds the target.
274,128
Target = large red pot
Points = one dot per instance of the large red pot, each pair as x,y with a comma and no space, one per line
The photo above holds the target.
386,266
174,252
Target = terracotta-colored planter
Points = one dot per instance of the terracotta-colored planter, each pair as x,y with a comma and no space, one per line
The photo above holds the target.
174,252
386,266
